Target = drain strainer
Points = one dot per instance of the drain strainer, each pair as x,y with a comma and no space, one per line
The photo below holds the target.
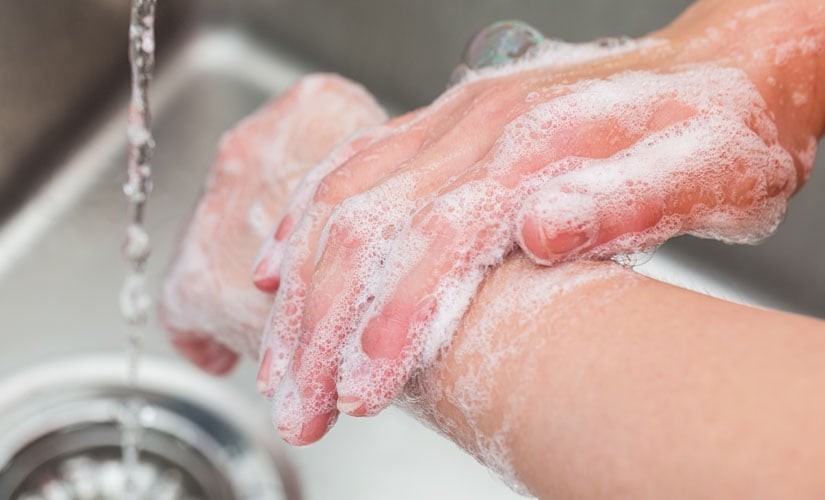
60,436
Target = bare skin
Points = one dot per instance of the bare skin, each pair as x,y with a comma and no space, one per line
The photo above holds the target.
657,392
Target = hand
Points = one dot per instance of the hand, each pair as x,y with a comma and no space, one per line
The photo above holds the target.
598,154
208,303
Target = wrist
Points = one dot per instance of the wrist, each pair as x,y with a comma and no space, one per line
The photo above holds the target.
486,392
780,44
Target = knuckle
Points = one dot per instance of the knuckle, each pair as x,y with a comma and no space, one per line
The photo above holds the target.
325,191
338,184
344,221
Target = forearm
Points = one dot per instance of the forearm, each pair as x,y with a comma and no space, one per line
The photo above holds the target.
622,386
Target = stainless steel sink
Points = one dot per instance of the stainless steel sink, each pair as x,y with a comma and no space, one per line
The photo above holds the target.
63,211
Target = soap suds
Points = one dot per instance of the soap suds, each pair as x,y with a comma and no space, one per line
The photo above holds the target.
475,410
558,54
207,292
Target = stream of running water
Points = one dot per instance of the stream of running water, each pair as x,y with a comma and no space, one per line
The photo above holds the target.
135,302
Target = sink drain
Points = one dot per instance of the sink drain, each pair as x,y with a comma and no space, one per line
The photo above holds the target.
60,436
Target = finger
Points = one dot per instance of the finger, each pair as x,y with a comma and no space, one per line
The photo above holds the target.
267,267
283,325
266,270
689,179
353,109
315,365
365,170
294,424
428,282
283,328
305,408
205,352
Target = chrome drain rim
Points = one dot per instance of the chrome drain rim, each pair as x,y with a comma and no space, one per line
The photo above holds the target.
195,429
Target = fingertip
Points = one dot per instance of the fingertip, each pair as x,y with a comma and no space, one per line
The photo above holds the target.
357,381
352,406
310,431
267,284
206,353
317,427
558,222
296,423
266,276
224,364
549,246
370,393
266,270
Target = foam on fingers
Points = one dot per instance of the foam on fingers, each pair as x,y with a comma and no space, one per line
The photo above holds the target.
323,190
429,278
305,403
267,267
709,176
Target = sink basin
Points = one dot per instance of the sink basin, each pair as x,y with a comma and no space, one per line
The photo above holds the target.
60,265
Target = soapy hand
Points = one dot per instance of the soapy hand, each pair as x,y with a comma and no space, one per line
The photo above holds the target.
585,151
208,302
581,152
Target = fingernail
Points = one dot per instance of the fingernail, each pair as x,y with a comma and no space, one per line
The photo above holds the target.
266,277
353,376
556,240
351,405
263,382
563,243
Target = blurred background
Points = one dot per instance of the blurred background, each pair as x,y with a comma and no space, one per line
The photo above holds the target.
63,89
59,58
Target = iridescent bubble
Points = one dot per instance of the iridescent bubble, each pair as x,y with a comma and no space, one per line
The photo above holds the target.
499,43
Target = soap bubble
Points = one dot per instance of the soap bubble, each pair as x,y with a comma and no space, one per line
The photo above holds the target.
498,44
